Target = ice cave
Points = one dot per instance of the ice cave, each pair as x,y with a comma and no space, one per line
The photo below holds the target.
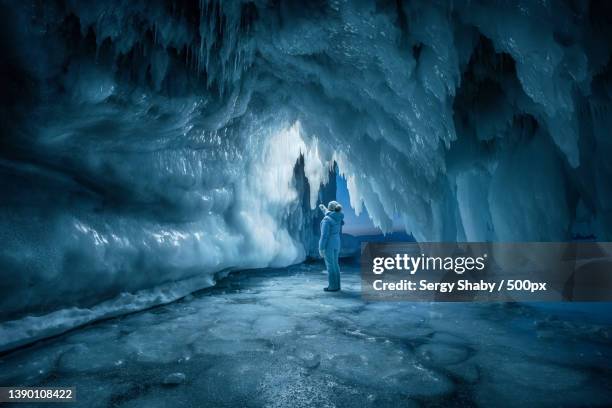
161,163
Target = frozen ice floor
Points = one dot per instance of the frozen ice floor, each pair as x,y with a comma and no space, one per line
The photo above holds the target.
273,338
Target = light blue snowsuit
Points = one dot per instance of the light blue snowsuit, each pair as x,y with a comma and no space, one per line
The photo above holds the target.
329,245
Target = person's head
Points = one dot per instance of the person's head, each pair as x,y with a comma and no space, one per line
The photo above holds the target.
334,206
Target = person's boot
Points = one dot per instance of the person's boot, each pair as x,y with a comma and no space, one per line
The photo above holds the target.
330,290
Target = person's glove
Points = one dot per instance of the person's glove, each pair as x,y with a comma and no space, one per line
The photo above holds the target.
322,207
321,253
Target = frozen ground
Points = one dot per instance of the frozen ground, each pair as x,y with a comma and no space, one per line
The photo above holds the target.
273,338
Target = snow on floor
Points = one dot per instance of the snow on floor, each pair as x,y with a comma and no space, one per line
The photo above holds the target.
273,338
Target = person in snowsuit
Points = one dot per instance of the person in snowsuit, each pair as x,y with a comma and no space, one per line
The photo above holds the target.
329,243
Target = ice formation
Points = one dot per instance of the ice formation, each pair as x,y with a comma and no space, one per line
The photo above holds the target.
145,143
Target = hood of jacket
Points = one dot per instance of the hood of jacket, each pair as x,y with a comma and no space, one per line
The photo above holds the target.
336,217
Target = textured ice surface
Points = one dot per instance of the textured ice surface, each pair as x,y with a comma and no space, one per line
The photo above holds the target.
145,143
273,338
